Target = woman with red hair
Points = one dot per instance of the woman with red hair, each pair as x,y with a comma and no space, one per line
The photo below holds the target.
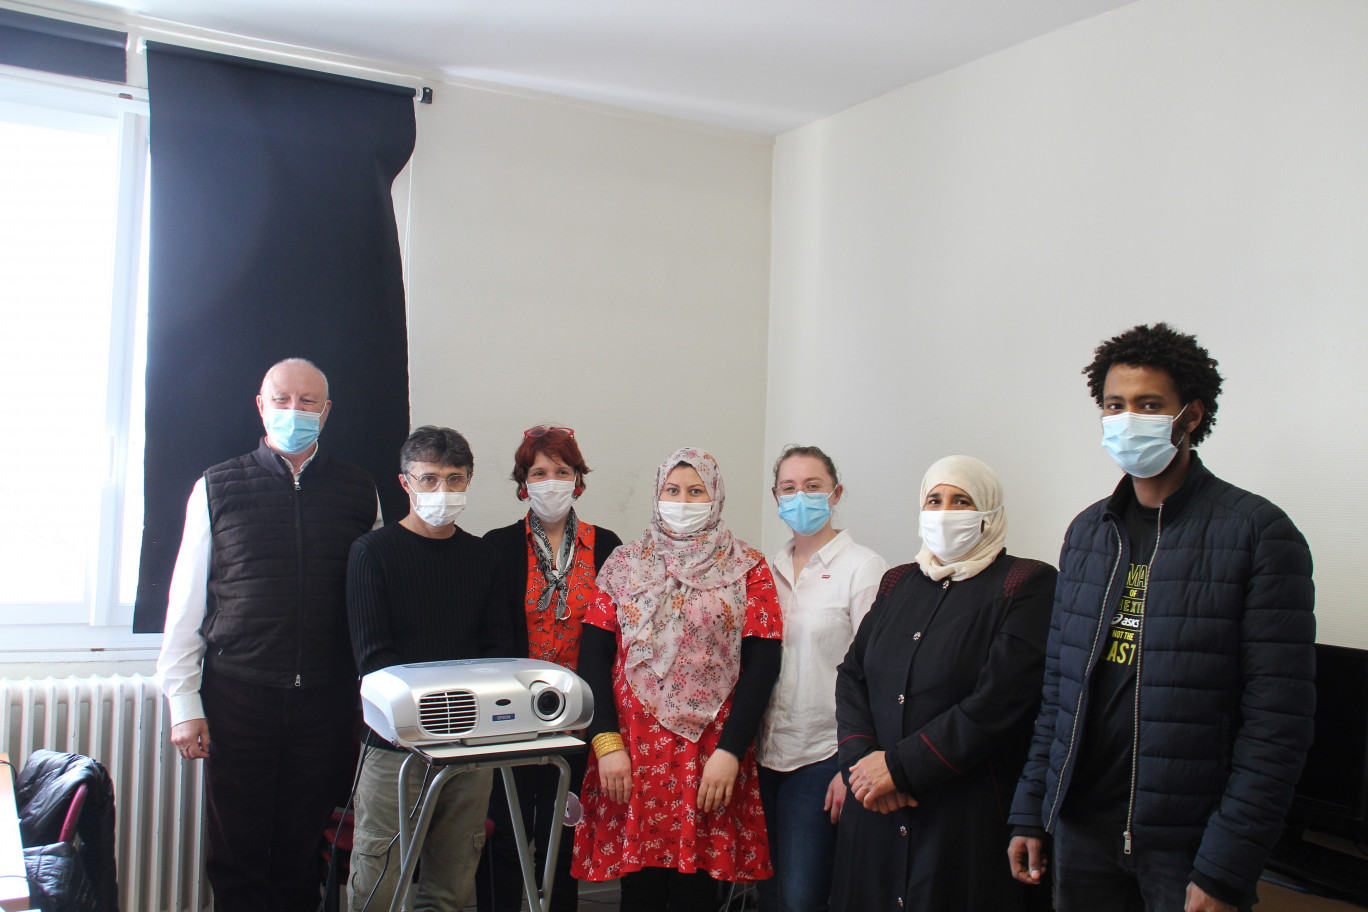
550,559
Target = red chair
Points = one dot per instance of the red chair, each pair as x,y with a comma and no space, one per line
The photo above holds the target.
337,837
73,814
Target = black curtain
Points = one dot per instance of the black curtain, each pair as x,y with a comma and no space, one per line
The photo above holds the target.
272,236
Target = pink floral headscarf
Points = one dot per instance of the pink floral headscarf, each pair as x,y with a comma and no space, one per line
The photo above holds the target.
681,605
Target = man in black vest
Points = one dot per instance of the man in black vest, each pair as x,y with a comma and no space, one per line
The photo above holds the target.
256,649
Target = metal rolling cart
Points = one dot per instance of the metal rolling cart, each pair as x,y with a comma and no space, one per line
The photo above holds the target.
451,762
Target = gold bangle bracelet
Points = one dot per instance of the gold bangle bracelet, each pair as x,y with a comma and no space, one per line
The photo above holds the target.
607,742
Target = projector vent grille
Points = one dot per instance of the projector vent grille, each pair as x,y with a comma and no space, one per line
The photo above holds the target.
449,712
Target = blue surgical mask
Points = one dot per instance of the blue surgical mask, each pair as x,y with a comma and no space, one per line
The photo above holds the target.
291,430
805,512
1142,445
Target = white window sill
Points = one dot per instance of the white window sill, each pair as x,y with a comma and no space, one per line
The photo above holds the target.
37,650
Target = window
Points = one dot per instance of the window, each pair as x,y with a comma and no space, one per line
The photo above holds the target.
73,264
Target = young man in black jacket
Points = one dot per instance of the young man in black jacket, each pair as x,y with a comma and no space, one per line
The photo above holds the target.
1179,680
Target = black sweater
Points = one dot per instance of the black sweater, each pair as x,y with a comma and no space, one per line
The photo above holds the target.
416,599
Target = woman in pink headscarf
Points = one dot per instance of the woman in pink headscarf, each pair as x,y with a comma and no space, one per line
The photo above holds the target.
681,648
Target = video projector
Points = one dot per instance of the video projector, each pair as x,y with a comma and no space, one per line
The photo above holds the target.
467,704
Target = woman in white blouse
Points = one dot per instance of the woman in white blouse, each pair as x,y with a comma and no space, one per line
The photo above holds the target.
825,584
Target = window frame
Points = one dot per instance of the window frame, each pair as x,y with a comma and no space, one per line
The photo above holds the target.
100,622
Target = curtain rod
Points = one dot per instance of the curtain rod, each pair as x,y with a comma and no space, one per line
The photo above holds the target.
180,50
282,55
141,29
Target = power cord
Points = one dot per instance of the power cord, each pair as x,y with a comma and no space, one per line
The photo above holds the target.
395,838
330,882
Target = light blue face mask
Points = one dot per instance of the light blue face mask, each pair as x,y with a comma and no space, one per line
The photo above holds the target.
1142,445
805,513
291,430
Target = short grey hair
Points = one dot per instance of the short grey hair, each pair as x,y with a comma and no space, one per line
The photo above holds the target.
304,361
439,445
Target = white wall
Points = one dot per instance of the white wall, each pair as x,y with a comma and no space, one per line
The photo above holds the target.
947,256
566,262
598,269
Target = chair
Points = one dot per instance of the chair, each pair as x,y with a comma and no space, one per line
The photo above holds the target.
337,838
73,814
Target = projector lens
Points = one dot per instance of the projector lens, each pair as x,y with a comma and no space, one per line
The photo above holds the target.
548,703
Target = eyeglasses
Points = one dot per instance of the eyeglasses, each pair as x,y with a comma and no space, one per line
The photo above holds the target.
426,484
540,431
812,487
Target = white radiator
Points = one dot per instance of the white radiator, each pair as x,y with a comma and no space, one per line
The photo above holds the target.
122,721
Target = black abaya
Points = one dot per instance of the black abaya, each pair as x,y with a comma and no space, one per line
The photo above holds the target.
945,677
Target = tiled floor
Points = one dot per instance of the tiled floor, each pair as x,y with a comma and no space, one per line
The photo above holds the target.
599,897
603,897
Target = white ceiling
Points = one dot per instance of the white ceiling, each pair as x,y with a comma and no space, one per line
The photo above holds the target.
764,66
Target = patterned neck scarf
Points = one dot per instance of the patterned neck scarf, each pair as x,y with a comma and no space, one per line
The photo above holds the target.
555,569
681,605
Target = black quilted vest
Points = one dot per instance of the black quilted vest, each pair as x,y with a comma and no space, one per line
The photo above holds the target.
277,583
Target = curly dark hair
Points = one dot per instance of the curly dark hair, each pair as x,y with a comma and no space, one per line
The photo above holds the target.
1193,370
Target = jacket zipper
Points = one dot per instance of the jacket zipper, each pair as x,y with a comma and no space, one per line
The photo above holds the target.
299,561
1139,654
1082,691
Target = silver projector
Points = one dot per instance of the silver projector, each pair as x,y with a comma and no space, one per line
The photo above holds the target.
474,701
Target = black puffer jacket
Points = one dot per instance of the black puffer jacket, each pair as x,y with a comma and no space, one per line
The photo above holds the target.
43,793
1226,671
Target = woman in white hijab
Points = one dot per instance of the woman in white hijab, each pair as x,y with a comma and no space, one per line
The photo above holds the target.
934,706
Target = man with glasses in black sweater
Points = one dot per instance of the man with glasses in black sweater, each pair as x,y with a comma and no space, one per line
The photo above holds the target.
422,590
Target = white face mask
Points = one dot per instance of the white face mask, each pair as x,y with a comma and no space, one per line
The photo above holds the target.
951,534
439,508
685,518
551,500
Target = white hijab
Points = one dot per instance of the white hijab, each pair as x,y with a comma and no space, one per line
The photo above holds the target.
981,483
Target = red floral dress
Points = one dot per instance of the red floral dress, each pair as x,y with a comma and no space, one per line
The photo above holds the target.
660,825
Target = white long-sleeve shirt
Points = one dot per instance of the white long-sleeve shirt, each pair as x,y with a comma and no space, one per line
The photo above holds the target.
822,609
181,662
